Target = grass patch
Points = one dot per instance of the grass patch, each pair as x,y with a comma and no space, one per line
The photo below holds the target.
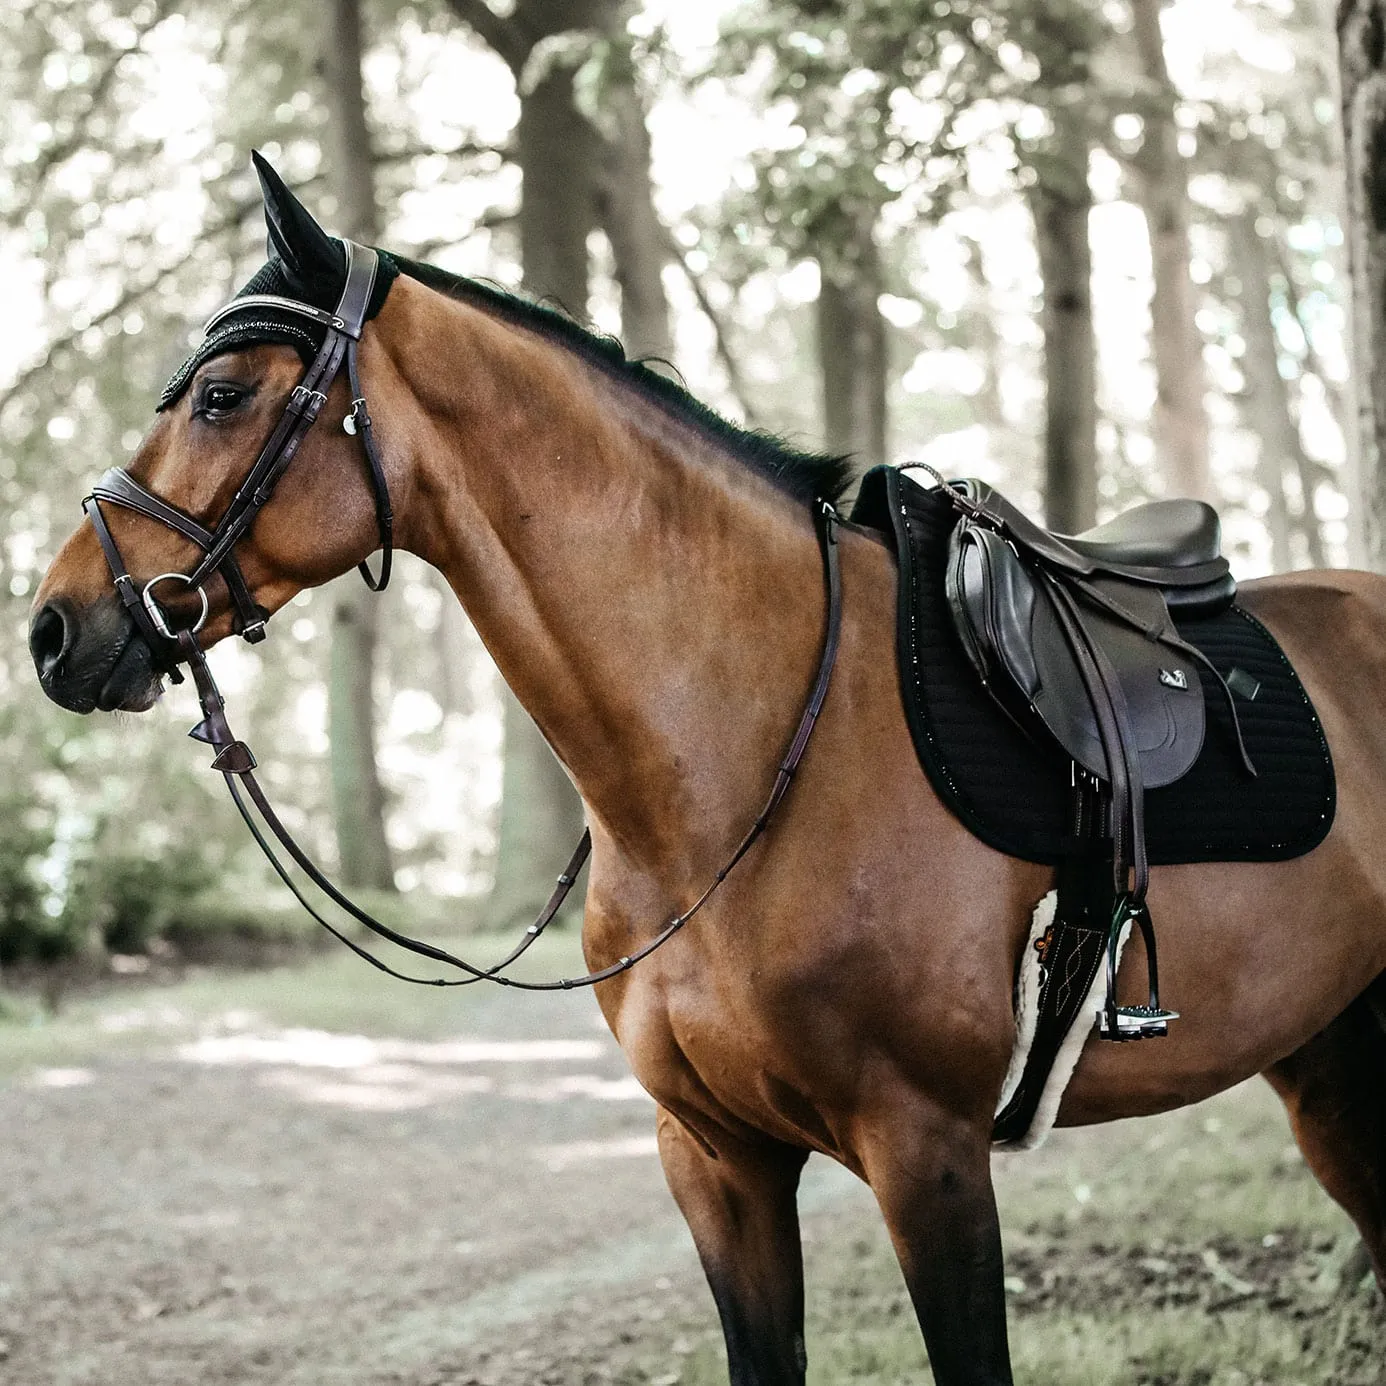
1190,1249
329,991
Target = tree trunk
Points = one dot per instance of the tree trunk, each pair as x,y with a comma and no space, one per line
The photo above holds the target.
1271,414
852,341
358,797
1312,473
1181,416
559,158
1062,205
987,403
639,242
559,153
1362,51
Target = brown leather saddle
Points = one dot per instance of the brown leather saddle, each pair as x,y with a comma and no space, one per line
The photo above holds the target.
1073,637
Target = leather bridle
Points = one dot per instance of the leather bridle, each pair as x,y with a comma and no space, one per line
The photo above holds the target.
341,335
171,647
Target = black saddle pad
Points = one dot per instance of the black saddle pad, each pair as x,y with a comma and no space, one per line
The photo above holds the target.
1014,793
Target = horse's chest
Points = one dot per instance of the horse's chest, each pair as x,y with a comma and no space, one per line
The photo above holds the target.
731,1059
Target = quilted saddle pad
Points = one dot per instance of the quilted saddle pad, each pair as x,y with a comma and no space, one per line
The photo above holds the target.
1014,794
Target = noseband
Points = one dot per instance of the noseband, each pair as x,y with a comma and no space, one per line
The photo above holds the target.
235,760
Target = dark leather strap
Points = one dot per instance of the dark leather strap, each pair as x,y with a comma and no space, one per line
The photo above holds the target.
237,763
122,489
129,593
300,414
343,330
305,403
1118,744
384,513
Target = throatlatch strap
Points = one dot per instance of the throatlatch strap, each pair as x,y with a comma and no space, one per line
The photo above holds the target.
360,420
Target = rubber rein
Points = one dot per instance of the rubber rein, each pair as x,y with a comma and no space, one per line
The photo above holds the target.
171,647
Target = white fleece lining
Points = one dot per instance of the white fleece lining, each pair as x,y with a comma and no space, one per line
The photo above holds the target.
1027,1018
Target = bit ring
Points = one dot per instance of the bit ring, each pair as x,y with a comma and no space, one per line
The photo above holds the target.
156,612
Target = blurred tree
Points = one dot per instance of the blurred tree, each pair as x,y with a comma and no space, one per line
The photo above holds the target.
1362,49
876,104
95,207
1062,205
852,358
1181,415
1062,38
1265,156
844,80
127,211
1267,392
640,246
583,151
357,795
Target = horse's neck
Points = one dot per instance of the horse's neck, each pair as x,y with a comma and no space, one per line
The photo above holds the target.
655,606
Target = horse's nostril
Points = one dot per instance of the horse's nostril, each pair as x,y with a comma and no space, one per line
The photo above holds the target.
49,636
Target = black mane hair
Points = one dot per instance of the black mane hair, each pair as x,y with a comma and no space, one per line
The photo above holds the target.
805,476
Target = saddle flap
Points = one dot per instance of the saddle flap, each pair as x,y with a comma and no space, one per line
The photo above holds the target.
1007,622
1160,686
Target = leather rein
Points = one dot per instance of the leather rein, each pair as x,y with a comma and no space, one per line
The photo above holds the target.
171,647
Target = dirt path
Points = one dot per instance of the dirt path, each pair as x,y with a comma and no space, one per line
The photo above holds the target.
245,1202
288,1206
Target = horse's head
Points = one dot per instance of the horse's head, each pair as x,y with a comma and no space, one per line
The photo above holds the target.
211,428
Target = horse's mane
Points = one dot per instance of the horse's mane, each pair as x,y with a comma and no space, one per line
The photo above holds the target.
805,476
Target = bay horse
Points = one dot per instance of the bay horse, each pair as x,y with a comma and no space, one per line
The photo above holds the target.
647,578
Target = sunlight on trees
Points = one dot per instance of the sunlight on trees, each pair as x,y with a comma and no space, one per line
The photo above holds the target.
830,229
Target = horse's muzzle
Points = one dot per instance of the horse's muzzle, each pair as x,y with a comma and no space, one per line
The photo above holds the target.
92,658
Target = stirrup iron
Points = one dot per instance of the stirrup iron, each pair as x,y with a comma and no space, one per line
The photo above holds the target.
1121,1023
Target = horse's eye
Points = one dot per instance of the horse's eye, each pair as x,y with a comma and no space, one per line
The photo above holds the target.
219,399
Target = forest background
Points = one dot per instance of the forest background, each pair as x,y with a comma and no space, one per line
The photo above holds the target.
1091,252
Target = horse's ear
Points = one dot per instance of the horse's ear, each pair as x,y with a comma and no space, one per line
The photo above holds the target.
310,255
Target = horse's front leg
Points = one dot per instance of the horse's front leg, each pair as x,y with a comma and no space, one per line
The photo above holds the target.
931,1174
740,1204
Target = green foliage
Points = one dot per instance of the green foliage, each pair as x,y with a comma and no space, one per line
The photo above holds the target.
130,900
878,100
28,932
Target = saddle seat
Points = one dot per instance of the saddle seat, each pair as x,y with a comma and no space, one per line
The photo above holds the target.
1159,534
1169,545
